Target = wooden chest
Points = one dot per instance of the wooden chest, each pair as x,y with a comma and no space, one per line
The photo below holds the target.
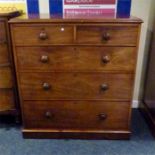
8,95
75,76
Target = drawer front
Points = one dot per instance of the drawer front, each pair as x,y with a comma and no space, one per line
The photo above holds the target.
2,32
6,100
49,86
76,58
5,77
41,35
4,58
93,115
108,35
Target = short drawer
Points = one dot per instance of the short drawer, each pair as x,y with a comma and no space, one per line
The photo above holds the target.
5,77
6,100
2,32
40,35
49,86
4,55
107,35
76,58
89,115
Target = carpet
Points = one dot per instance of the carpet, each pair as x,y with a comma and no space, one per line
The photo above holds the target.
141,143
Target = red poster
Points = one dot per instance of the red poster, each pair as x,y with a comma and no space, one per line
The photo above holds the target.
75,13
89,2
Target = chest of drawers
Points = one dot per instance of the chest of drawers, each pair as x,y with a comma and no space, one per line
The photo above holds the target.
8,96
75,77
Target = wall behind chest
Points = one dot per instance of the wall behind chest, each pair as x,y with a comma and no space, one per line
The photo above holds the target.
146,11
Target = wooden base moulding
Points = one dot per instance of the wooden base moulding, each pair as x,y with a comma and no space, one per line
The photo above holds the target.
70,134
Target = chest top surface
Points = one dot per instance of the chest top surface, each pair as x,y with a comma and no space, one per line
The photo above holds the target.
81,19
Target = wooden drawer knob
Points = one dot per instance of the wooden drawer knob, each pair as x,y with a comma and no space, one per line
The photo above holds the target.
104,87
44,58
46,86
49,115
102,116
106,59
43,36
106,36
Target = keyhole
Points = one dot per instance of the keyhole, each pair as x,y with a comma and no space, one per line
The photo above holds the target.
62,29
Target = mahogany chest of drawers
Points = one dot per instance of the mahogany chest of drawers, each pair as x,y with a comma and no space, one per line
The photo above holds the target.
8,96
75,76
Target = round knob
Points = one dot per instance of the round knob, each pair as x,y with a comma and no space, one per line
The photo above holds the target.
104,87
44,58
106,36
106,59
102,116
49,115
46,86
62,29
43,36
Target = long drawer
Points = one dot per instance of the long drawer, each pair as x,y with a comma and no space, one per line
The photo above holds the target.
6,77
76,58
49,86
107,35
41,34
89,115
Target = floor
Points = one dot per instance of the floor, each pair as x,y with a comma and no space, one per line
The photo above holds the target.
141,143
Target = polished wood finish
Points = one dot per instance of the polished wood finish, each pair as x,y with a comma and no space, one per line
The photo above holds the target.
68,58
8,91
57,19
75,77
59,34
76,134
148,104
45,35
76,115
108,35
2,31
6,80
4,55
51,86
